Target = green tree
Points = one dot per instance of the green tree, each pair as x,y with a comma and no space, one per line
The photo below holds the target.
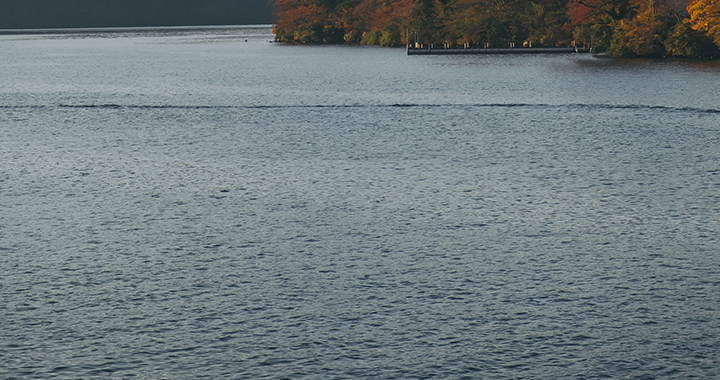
684,41
601,37
642,36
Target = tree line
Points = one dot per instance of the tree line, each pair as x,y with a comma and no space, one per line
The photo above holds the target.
43,14
621,28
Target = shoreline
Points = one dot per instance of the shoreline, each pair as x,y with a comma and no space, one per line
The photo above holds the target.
115,29
479,50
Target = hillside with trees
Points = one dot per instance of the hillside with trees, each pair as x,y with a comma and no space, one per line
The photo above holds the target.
44,14
621,28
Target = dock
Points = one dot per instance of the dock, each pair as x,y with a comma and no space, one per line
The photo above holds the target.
429,50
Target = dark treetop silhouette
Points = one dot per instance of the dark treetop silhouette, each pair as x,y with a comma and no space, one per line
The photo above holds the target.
41,14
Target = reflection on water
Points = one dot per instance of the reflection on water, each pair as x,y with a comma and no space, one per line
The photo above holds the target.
185,204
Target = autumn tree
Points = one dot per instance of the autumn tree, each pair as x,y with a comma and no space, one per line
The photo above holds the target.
643,36
594,21
598,11
548,23
465,21
356,19
498,22
387,22
705,16
623,28
307,21
684,41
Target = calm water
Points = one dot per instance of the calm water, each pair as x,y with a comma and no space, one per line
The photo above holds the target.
183,204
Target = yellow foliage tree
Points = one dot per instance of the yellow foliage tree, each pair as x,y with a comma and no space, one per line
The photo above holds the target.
640,37
705,16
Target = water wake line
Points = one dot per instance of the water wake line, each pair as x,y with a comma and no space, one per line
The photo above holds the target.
114,106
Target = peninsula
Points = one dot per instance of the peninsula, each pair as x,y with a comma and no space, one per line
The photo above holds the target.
621,28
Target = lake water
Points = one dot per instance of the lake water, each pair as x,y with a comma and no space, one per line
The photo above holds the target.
183,204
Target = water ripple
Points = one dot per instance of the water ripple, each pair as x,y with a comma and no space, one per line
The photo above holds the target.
360,106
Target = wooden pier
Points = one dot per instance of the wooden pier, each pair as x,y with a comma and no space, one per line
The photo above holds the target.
429,49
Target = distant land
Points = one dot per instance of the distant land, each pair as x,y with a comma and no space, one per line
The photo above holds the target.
49,14
617,28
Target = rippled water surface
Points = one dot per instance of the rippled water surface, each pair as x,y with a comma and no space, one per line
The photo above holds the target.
200,203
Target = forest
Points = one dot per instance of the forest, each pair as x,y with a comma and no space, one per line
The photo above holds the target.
43,14
619,28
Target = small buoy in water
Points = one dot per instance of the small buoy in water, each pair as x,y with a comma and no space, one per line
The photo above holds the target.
245,40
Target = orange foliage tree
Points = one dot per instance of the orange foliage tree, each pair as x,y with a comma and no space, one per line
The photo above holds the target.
384,22
618,27
602,10
307,21
498,22
705,16
642,36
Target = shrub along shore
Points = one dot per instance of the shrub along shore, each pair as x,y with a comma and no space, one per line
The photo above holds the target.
619,28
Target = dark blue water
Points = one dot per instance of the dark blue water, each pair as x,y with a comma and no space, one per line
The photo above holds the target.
185,204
